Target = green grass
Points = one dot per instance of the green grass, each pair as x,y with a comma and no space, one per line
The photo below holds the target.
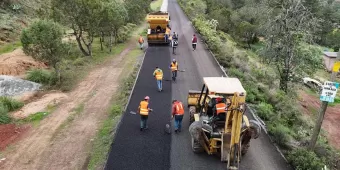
104,137
36,118
9,47
156,5
7,105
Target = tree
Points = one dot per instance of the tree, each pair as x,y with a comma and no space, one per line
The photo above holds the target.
43,41
137,9
290,25
333,39
113,17
195,8
83,16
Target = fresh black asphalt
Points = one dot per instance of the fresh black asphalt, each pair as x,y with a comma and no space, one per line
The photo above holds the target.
149,149
153,149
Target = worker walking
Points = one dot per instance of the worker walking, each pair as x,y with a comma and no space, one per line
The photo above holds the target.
178,113
194,42
158,74
144,110
141,42
174,46
174,68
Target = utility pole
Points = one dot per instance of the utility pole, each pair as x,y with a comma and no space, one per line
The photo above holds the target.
322,111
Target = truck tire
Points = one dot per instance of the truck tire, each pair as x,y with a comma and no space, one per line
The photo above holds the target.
192,111
196,146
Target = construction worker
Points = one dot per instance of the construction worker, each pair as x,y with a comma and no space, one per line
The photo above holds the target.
219,108
144,110
158,74
167,33
174,68
174,45
194,42
141,41
177,112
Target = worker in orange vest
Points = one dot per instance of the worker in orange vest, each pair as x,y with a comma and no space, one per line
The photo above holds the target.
144,110
178,113
158,74
220,108
141,41
174,69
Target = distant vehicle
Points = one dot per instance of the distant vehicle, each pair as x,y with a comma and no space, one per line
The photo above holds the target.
159,27
312,83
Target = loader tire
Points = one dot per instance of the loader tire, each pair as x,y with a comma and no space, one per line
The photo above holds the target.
192,111
196,146
244,149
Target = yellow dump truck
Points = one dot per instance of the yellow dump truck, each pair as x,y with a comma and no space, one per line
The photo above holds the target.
227,134
158,27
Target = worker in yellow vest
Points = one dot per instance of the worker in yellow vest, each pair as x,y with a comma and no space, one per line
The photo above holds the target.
167,33
144,110
174,69
141,41
158,74
178,113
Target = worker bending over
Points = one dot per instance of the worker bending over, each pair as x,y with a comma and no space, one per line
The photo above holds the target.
144,110
174,68
158,74
178,113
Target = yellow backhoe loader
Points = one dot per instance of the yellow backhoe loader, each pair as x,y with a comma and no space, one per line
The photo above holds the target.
159,27
228,135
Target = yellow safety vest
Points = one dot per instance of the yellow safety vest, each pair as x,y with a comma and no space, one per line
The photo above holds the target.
173,66
159,75
144,108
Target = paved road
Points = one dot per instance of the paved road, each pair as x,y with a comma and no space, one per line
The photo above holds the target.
150,149
154,150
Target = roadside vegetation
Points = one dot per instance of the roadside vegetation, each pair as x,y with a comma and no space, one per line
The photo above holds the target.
270,46
7,105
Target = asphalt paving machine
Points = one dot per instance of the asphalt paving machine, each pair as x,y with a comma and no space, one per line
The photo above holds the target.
159,27
229,136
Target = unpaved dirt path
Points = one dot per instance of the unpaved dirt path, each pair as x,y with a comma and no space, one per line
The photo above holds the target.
70,147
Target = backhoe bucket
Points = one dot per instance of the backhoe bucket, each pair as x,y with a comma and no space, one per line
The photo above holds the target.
225,148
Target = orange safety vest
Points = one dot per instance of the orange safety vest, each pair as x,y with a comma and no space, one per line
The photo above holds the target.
173,66
141,40
220,108
159,75
179,108
144,108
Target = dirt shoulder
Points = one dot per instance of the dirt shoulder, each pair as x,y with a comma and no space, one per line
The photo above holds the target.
59,135
311,104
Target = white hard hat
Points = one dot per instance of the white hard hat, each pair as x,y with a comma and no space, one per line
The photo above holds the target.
173,59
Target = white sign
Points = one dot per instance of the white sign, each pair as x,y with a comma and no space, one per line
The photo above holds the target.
329,90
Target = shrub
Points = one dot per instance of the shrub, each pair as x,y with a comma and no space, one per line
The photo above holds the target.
265,111
10,103
302,159
280,133
4,118
42,76
7,105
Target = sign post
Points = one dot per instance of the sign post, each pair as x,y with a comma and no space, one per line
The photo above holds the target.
328,94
